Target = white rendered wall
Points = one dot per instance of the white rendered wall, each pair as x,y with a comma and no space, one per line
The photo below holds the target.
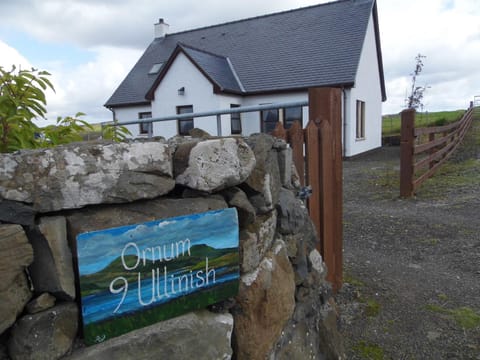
124,114
367,88
198,92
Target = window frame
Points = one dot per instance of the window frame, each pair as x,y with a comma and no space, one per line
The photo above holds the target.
144,128
264,122
235,117
180,111
360,120
286,124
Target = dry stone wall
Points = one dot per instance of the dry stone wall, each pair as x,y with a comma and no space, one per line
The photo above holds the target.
284,308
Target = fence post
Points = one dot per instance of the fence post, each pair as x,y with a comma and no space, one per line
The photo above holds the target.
325,112
407,137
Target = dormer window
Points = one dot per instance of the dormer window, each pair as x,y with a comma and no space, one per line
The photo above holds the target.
155,68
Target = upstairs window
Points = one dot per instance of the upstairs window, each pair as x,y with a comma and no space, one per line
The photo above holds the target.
184,125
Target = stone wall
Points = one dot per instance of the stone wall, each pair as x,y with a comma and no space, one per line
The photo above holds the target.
284,309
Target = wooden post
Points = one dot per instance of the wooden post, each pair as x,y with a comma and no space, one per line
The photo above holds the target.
296,140
325,114
407,137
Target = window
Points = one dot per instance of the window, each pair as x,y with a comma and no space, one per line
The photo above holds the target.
269,119
290,115
185,125
144,127
360,120
235,121
155,68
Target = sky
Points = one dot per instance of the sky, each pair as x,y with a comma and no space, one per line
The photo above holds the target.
89,46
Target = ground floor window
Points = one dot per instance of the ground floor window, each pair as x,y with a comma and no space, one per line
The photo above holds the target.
290,115
185,125
144,127
235,121
268,120
360,133
287,116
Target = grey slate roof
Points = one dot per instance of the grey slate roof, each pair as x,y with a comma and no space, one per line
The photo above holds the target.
313,46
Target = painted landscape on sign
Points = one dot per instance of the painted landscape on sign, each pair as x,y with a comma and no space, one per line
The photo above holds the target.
136,275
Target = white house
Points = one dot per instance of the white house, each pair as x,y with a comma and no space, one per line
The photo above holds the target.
268,59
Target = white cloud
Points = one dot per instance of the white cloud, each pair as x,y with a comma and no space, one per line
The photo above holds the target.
10,56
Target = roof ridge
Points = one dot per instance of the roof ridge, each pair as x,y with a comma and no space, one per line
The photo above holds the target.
333,2
184,45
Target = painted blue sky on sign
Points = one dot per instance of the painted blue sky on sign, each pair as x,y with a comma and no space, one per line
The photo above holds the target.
98,249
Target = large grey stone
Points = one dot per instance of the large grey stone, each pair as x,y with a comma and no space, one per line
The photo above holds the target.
292,213
16,254
213,165
15,251
13,300
75,175
52,268
198,335
256,240
266,303
238,199
264,182
16,213
47,335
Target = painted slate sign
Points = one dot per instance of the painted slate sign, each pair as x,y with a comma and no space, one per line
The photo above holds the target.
137,275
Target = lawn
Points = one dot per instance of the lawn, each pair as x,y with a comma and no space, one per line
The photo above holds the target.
391,123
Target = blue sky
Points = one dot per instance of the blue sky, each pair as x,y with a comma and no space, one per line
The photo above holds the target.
218,229
90,45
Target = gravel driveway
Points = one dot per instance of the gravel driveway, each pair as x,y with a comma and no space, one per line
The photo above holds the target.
412,267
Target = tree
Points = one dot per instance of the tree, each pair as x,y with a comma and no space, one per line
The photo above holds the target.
416,93
22,98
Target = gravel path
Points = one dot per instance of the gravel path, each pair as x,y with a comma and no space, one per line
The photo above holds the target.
412,267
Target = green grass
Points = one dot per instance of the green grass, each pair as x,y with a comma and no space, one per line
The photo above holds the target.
369,351
391,123
465,317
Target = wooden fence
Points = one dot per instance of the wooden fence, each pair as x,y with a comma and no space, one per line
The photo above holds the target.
424,150
321,169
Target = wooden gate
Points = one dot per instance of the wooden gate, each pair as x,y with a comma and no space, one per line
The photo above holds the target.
321,169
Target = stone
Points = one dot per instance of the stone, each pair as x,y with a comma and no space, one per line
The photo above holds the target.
47,335
285,163
256,240
16,213
292,213
264,182
266,302
41,303
235,197
312,332
80,174
15,251
16,254
213,165
198,335
199,133
13,300
52,268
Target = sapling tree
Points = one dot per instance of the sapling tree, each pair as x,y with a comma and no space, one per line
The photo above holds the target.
414,100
